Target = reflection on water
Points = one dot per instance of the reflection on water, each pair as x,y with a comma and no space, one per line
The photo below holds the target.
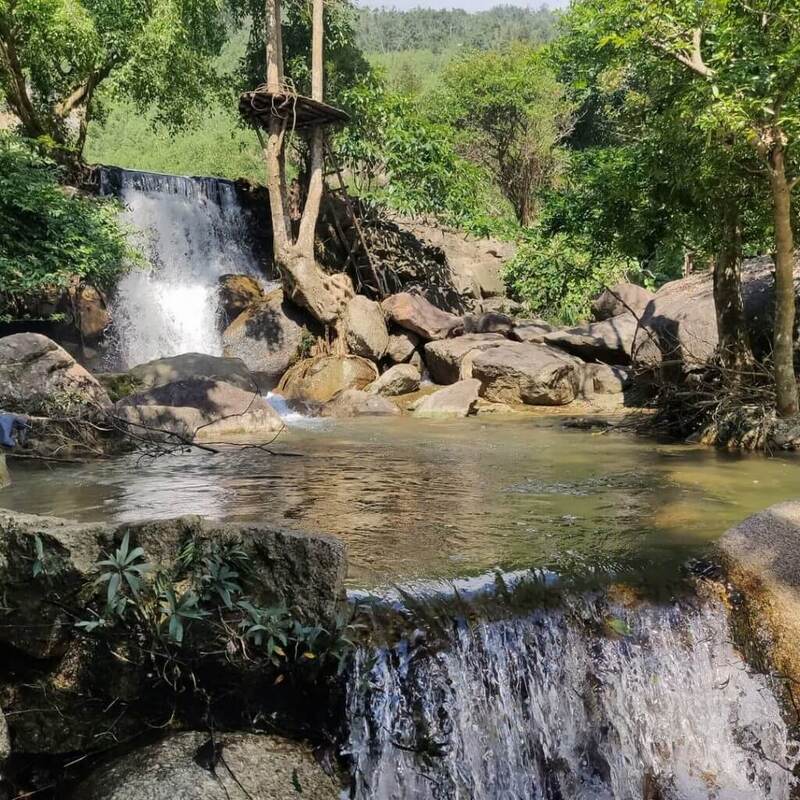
439,499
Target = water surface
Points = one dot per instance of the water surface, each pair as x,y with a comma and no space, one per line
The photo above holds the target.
432,500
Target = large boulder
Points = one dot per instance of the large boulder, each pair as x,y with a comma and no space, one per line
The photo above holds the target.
531,330
39,377
458,400
610,341
621,299
355,403
762,559
268,337
242,765
534,374
187,366
319,379
365,328
401,346
237,293
414,313
450,360
606,379
397,380
198,409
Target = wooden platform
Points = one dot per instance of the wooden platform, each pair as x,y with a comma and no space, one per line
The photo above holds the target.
302,112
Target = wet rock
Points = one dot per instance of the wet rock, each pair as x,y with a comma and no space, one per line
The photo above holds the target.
268,337
762,558
414,313
365,328
610,342
188,366
198,409
39,377
399,379
355,403
458,400
319,379
450,360
401,346
91,312
535,374
623,298
188,766
237,293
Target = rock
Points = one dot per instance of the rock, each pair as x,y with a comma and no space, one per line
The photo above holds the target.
198,409
531,330
256,766
490,322
355,403
417,362
319,379
189,366
414,313
5,477
501,305
399,379
401,346
611,341
762,558
475,265
458,400
623,298
268,337
606,379
91,312
450,360
365,328
39,377
5,742
535,374
237,293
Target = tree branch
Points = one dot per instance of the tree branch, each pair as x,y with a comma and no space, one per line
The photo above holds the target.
693,60
83,92
17,96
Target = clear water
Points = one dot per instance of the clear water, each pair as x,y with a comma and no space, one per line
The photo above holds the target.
191,231
426,500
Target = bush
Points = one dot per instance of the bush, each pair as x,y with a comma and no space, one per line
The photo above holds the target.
558,276
49,238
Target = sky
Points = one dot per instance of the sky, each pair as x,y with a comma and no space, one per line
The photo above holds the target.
469,5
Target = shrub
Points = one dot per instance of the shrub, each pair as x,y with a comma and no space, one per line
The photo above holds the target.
558,276
49,238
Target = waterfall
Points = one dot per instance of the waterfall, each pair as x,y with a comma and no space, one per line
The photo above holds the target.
587,702
192,231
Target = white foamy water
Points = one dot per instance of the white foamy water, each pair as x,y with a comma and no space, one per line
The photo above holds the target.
556,706
193,231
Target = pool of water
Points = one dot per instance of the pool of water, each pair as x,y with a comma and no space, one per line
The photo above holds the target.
421,500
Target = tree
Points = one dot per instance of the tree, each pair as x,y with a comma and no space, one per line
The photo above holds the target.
512,114
744,61
55,54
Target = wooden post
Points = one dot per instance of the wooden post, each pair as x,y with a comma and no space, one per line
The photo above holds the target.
317,55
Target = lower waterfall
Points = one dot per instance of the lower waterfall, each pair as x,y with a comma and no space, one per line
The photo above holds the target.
579,703
192,231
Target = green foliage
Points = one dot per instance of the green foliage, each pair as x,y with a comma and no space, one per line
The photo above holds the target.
399,158
511,114
558,276
48,238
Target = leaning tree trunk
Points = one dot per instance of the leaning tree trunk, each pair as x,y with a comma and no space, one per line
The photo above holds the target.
305,282
734,342
783,344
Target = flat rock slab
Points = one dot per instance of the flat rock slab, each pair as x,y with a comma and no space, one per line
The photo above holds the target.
355,403
458,400
450,360
762,558
610,341
264,767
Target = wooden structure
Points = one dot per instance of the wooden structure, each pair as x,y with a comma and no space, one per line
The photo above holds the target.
301,113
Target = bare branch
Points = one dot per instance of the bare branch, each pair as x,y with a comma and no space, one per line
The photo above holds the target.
693,60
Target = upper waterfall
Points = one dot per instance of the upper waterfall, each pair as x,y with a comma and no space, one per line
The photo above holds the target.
192,231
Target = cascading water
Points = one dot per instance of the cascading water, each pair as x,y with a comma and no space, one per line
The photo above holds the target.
193,231
582,703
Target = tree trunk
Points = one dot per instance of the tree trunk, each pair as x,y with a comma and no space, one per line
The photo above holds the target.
783,344
734,342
